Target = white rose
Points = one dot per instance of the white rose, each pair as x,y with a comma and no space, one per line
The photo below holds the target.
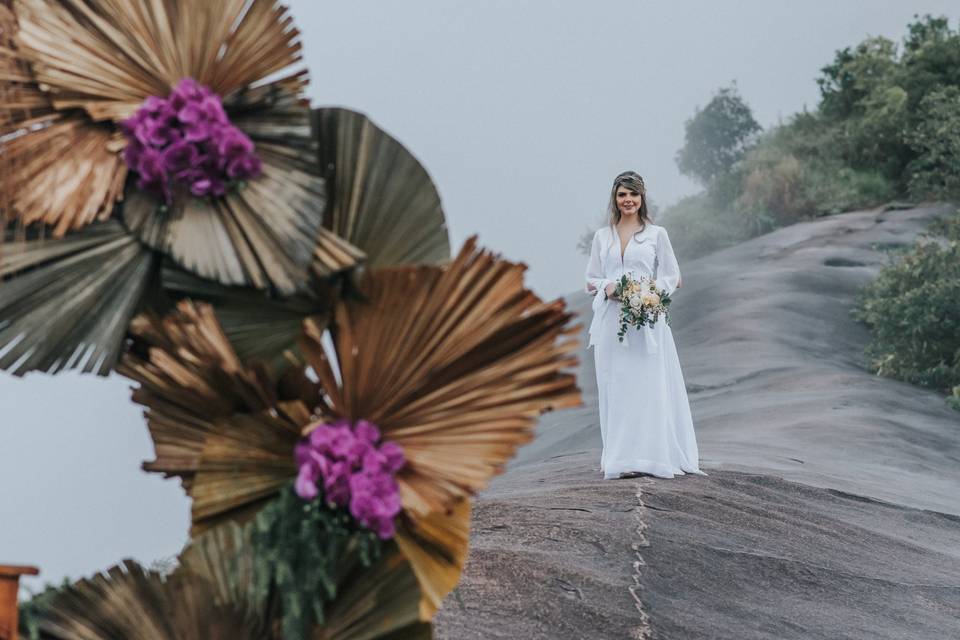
635,301
651,299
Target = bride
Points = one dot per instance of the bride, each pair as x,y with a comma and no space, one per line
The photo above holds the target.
645,417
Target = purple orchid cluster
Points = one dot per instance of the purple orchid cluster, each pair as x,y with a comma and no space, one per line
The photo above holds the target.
355,472
187,138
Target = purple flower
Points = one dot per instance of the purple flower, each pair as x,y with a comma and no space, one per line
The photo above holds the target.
207,186
394,455
367,430
306,484
200,132
179,157
244,167
150,166
356,471
233,144
198,146
213,111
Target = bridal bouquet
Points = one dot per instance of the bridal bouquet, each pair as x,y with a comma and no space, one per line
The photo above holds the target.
641,302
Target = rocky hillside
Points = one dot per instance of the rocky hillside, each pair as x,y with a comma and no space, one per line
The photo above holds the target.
831,508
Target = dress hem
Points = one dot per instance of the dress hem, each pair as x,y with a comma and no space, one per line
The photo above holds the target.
658,469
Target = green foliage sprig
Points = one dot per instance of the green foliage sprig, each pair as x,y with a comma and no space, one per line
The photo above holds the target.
300,550
31,611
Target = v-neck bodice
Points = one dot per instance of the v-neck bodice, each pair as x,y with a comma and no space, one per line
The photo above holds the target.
648,254
637,257
624,245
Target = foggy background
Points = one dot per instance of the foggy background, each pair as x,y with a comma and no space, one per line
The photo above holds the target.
523,111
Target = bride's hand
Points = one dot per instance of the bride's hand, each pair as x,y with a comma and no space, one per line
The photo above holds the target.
610,289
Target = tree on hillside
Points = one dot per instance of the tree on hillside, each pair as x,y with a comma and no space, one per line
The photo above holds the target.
871,96
856,74
717,136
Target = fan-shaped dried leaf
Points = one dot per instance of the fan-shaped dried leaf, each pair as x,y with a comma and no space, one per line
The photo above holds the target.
436,547
260,326
71,299
130,602
454,364
65,174
57,168
245,461
189,377
223,559
261,235
107,56
381,198
381,602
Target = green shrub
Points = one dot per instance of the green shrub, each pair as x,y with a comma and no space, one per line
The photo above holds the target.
696,228
913,310
935,172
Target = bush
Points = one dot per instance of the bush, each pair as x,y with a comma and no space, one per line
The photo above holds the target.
697,228
935,172
913,309
773,190
792,175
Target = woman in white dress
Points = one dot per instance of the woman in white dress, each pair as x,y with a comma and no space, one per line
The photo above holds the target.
645,419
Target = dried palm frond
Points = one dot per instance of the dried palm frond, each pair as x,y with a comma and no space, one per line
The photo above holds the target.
265,234
453,363
79,66
377,601
260,326
213,595
107,56
381,602
130,602
223,559
382,199
190,377
66,303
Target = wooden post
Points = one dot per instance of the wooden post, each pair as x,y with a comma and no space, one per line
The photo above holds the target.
9,588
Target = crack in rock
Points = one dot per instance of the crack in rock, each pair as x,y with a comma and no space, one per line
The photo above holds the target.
641,631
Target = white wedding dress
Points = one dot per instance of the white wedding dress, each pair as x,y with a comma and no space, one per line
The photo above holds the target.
645,419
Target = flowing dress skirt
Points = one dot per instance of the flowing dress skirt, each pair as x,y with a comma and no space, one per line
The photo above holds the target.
645,416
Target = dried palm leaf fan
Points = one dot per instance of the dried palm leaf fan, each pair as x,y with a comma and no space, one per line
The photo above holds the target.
104,60
380,601
67,303
69,72
62,148
213,595
130,602
381,198
454,364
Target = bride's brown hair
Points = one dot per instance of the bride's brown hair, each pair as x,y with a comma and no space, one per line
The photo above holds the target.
634,182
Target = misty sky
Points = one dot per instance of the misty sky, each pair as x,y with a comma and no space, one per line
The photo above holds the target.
523,112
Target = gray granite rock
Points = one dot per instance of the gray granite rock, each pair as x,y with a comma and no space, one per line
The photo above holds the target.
832,508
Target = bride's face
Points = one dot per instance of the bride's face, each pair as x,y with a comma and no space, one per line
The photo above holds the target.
628,201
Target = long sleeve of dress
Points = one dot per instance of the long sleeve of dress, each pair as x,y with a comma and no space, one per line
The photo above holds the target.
668,271
596,283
